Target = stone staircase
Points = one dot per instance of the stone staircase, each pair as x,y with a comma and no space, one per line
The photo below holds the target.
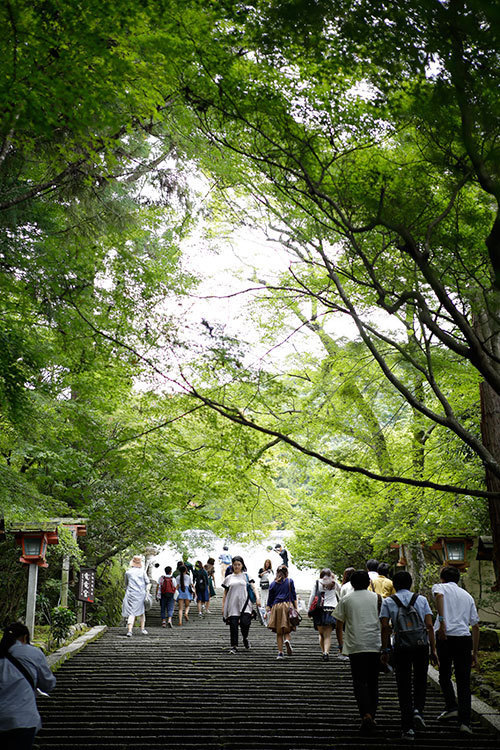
181,688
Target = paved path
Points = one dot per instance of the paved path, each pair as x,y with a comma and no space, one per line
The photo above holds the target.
182,689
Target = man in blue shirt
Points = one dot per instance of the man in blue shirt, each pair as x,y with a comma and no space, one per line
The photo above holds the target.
410,662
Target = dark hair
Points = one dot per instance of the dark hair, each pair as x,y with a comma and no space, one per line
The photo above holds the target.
168,570
383,569
210,561
281,573
10,635
372,565
182,570
277,546
327,573
360,580
402,580
238,558
266,566
347,575
449,574
198,564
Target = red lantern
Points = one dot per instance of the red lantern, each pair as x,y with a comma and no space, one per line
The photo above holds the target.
34,546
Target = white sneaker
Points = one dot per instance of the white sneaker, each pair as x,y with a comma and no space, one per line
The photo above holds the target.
464,729
280,656
409,735
144,631
129,634
343,657
289,648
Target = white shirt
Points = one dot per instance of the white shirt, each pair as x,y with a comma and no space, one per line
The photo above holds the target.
459,609
330,599
359,612
346,589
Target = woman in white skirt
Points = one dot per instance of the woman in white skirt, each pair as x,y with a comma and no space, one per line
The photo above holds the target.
137,583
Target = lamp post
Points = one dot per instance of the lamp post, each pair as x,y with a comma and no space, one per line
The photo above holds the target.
34,547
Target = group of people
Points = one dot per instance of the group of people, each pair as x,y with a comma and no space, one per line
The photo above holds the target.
184,585
381,624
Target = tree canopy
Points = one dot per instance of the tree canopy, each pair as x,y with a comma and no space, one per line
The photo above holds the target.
363,138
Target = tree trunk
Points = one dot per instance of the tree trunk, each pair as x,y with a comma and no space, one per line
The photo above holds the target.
490,430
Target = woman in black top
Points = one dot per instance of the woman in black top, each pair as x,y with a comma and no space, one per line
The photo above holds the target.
200,577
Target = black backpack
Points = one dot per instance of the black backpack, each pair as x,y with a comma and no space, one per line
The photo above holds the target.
408,626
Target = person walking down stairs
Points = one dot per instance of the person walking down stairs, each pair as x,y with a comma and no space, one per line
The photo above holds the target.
237,604
281,596
201,584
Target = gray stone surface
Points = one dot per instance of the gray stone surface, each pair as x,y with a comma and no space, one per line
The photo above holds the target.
181,688
58,657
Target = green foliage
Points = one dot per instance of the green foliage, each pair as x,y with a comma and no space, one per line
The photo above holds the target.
62,619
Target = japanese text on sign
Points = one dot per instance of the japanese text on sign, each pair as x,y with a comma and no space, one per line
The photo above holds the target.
86,585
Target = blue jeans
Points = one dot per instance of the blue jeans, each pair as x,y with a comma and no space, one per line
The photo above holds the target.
167,602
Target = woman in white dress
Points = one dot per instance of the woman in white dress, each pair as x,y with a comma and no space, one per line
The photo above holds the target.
137,583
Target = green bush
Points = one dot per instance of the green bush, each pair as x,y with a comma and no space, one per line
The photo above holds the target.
62,619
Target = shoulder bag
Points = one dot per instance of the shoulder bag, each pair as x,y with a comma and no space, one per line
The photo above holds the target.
293,614
22,669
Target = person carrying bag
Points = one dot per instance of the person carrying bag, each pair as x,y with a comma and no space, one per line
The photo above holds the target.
322,602
237,603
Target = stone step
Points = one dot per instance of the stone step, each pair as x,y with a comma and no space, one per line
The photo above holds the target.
180,688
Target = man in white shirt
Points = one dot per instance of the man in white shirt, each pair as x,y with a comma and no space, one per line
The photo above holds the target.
456,647
361,643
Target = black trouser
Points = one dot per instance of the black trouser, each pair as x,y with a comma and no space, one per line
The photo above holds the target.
18,739
364,670
410,665
243,621
456,651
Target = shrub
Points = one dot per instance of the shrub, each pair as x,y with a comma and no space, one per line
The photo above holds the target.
62,619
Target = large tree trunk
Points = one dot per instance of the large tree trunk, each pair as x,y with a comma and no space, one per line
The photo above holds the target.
490,430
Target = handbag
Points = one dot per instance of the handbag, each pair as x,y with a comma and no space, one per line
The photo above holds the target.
148,602
293,614
317,602
264,585
176,594
250,591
